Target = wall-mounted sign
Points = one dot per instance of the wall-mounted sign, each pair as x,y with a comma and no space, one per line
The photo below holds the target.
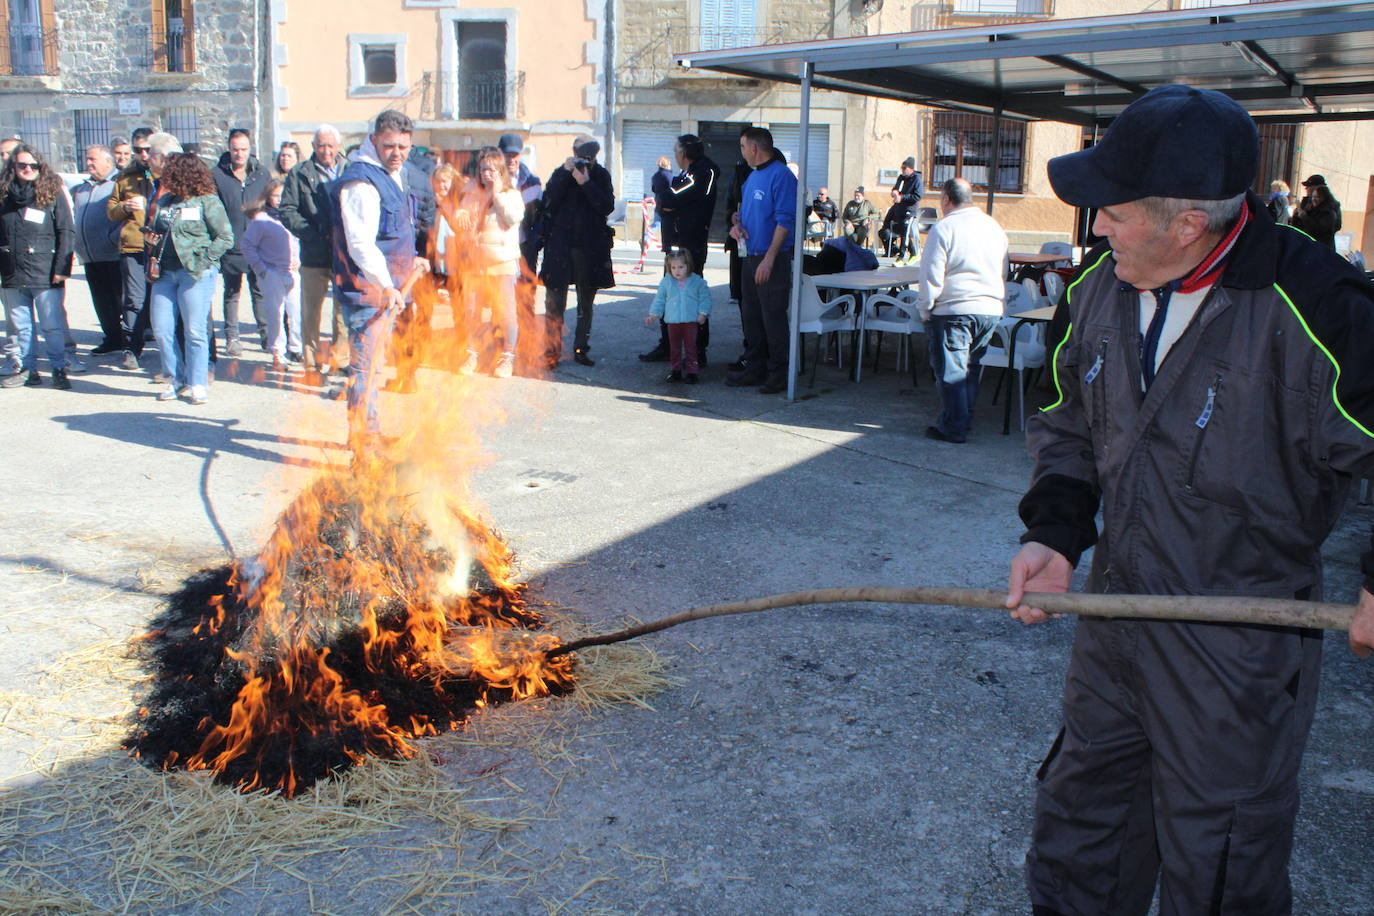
130,106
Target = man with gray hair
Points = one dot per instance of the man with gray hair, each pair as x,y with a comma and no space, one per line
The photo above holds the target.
963,271
305,211
97,245
1214,394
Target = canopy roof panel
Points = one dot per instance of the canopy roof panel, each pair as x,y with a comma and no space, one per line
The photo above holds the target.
1292,60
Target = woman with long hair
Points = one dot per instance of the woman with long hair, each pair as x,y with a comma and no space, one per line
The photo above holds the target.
188,233
36,246
287,157
495,209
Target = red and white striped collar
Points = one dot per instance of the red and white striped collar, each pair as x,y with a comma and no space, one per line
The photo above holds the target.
1207,272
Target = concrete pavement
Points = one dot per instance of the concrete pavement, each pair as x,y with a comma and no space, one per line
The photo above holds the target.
852,759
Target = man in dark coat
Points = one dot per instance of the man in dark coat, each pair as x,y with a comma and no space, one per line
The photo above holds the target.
692,204
416,174
239,179
906,193
1319,213
306,213
577,245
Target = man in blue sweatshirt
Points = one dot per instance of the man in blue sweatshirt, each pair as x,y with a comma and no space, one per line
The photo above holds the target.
763,228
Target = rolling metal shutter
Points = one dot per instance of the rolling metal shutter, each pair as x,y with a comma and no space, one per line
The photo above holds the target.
641,143
787,137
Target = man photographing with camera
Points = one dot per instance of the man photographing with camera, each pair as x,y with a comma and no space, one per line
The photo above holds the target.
577,245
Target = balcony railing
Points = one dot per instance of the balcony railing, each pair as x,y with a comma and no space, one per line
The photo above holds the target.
471,95
169,48
26,50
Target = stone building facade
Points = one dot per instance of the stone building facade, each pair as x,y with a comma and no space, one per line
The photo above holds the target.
76,72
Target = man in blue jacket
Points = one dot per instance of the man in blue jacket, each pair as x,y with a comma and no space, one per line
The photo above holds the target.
763,228
97,245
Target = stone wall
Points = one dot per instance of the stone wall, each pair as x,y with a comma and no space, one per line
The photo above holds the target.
105,59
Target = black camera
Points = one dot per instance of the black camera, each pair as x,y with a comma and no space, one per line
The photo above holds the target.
581,164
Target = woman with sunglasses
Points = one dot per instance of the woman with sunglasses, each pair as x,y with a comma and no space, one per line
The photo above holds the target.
188,232
36,247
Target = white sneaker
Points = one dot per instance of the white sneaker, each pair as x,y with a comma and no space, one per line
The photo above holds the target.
168,394
469,365
199,395
75,365
505,366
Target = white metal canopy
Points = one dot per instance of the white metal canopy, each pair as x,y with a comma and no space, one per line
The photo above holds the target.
1288,61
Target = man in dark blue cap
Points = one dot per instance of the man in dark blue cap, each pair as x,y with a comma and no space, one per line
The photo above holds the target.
1214,397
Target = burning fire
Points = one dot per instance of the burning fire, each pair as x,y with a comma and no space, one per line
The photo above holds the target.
382,609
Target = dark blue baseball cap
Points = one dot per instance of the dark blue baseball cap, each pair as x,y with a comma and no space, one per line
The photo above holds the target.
1174,141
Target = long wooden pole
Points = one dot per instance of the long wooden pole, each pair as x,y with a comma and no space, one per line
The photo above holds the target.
1255,611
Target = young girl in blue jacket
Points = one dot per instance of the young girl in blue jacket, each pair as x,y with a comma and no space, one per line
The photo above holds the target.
683,301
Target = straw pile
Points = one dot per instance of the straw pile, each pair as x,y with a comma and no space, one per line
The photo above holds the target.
90,831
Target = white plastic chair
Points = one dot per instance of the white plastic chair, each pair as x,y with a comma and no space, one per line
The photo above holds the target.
1054,287
1017,299
823,318
1030,354
1063,248
1033,295
900,318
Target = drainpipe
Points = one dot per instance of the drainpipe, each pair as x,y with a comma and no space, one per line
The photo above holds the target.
257,72
608,76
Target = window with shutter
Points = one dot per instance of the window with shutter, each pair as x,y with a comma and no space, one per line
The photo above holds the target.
173,36
30,37
728,24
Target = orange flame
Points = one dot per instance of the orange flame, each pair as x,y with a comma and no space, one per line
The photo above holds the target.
392,549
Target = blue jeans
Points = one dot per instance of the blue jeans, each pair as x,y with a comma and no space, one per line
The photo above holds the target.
957,343
20,306
369,329
175,293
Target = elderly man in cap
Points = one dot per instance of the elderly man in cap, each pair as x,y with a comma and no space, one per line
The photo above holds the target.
858,217
1214,396
577,245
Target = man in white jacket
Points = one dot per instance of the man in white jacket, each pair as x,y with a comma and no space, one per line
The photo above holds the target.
963,272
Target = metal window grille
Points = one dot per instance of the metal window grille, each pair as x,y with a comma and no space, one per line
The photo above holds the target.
35,130
183,123
92,127
961,147
1278,142
26,38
